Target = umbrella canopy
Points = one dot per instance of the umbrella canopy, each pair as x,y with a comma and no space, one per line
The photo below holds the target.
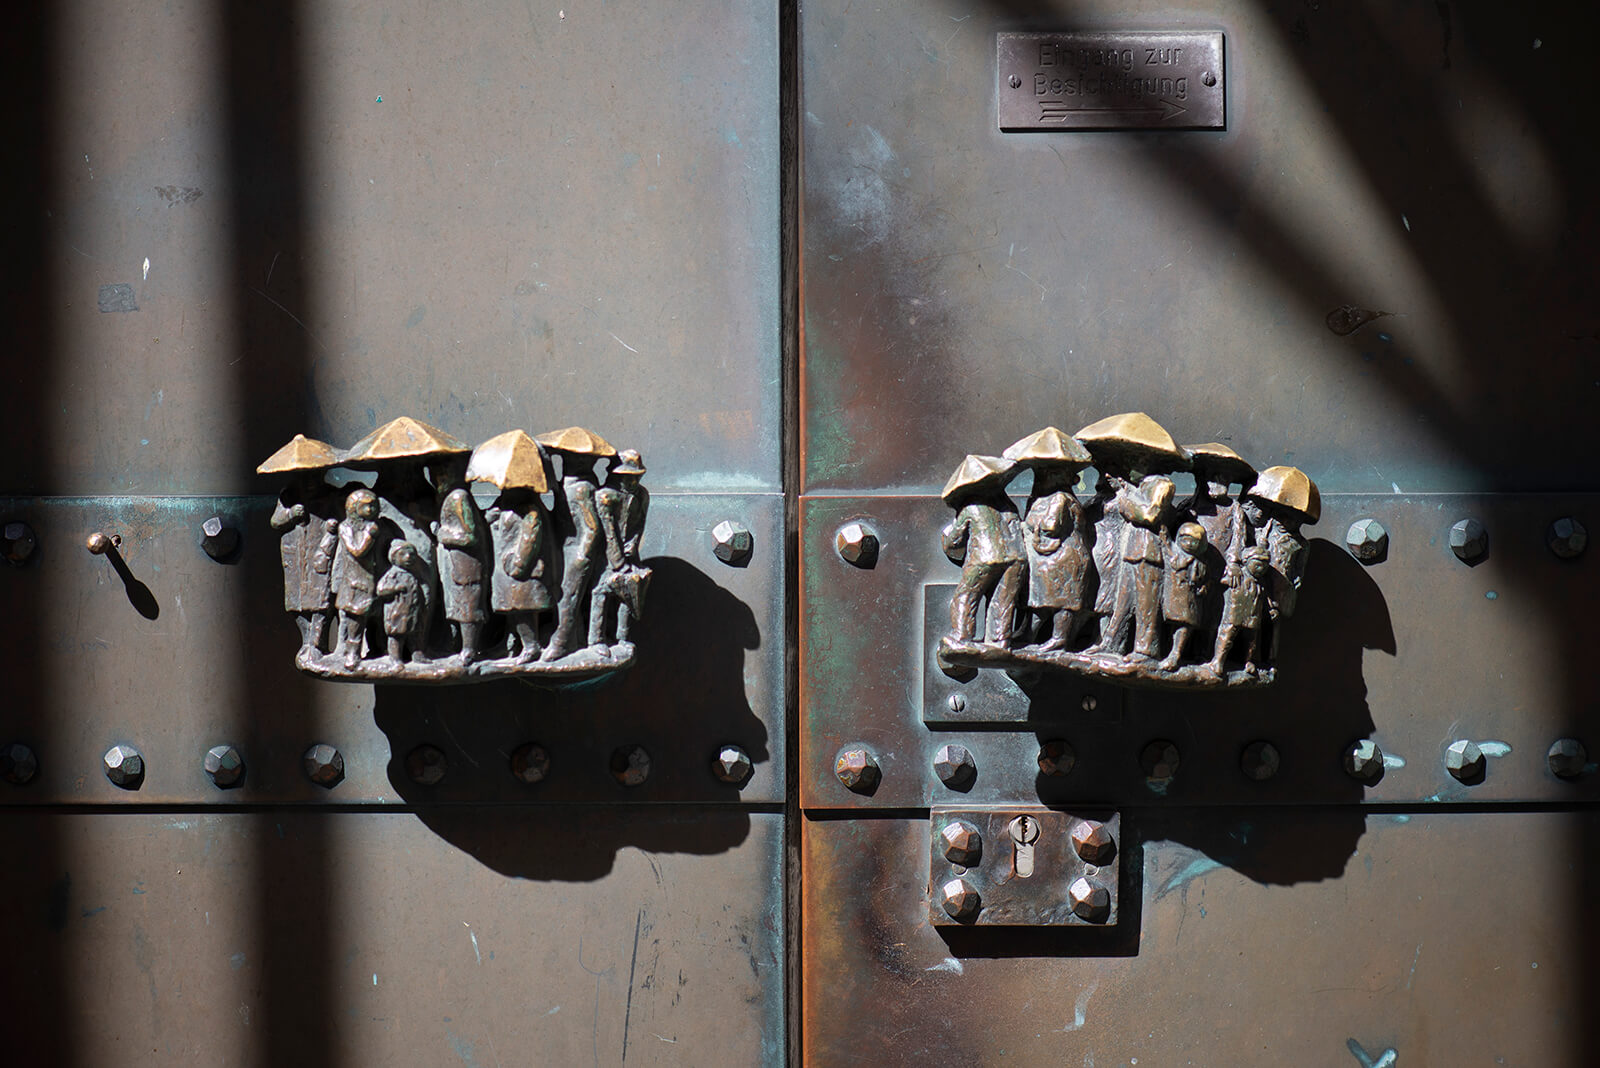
577,441
628,462
1132,439
1049,446
301,454
977,472
1215,458
511,460
404,438
1291,488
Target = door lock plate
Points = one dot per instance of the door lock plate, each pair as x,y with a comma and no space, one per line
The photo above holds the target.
1024,866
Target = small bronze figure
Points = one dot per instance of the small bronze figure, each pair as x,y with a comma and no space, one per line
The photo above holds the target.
580,531
988,527
1243,607
1057,536
1290,499
400,590
520,588
355,567
461,562
1184,589
1144,509
622,504
307,522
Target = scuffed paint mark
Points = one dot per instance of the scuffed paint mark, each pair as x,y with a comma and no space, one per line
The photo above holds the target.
949,964
1080,1008
1491,595
1386,1059
1495,748
146,277
1413,973
475,951
117,297
1391,760
623,343
1346,319
466,1051
93,912
236,961
1197,867
179,194
730,136
374,978
553,1011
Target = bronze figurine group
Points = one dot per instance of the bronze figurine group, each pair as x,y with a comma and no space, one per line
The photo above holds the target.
410,580
1131,584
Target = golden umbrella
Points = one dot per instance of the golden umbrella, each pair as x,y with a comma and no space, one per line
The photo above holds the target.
301,454
404,438
1215,458
977,472
1049,446
1132,440
577,441
1291,488
511,460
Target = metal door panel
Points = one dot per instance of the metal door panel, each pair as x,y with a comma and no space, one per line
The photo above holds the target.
1287,936
461,935
351,212
215,665
964,287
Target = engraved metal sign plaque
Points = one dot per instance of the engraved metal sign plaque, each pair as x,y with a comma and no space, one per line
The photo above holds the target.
1110,81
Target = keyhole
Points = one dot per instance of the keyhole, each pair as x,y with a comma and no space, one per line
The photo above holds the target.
1024,830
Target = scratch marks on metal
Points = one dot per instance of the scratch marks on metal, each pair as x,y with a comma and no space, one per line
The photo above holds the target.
949,964
1386,1059
1413,973
633,965
1080,1009
623,343
474,936
1495,748
117,297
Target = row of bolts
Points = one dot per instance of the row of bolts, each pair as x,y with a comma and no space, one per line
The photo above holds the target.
857,543
426,765
857,768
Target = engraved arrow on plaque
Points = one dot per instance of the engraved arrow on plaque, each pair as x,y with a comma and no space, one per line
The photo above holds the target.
1059,110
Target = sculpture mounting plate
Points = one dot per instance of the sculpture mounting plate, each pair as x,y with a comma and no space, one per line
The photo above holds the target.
1110,81
579,666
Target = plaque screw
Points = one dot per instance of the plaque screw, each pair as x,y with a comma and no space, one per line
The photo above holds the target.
426,765
18,765
225,766
955,767
530,763
1468,540
1090,702
124,766
957,702
1056,758
1208,79
1364,760
959,899
630,765
857,544
1016,82
1090,901
324,765
18,543
732,765
731,542
1464,760
1259,761
857,769
219,540
1568,758
1567,538
1367,540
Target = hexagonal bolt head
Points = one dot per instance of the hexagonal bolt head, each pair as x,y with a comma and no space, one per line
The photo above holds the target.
1464,760
1090,900
1567,538
18,765
530,763
963,844
960,899
1368,541
324,765
1056,758
1363,760
1093,842
1259,761
857,769
225,766
731,542
857,544
955,767
219,540
124,766
732,765
630,765
426,765
1568,758
1469,540
17,542
1160,760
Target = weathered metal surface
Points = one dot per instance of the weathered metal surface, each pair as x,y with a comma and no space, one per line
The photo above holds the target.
1265,936
1110,81
1018,866
1415,652
963,284
306,235
455,935
179,653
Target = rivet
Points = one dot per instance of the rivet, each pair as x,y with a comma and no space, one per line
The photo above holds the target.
963,845
959,898
857,544
732,765
1469,540
1465,761
426,765
955,767
225,766
324,765
17,542
1090,900
1568,759
731,542
1367,541
1056,758
1259,761
857,769
630,765
1160,760
18,764
1093,842
1363,760
219,540
530,763
101,543
124,766
1567,538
